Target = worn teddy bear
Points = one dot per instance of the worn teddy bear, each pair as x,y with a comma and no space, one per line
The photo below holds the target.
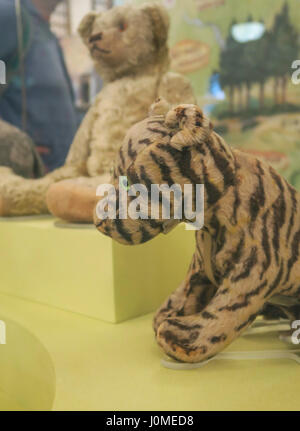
129,47
249,248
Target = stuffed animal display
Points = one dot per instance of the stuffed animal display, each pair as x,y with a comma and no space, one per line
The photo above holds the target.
129,47
18,152
248,250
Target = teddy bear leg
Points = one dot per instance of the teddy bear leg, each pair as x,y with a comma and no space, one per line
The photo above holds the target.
20,196
74,200
6,174
189,298
3,206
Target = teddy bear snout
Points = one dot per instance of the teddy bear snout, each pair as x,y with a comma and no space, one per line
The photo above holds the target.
95,37
95,46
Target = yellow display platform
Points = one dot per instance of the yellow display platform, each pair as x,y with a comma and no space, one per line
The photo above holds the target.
82,271
63,361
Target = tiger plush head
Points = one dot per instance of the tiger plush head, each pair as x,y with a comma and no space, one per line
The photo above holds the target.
174,150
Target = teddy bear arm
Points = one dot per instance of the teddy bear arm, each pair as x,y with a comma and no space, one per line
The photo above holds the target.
111,127
104,147
20,196
80,148
176,89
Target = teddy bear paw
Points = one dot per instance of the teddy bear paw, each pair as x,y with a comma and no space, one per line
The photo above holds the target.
72,200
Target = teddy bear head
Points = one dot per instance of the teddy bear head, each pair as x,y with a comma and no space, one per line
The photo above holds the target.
126,39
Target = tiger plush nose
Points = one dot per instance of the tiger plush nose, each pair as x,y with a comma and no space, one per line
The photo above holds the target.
96,37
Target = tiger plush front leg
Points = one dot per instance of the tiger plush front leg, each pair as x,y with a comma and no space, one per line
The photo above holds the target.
190,297
246,281
232,309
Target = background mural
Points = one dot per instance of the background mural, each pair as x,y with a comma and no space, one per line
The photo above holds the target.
238,55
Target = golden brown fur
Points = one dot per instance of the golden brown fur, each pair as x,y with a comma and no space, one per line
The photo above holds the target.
129,47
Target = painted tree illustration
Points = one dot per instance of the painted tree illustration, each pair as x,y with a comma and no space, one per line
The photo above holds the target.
248,66
230,67
263,64
283,39
244,64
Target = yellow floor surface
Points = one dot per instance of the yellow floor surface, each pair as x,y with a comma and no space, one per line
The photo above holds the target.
71,362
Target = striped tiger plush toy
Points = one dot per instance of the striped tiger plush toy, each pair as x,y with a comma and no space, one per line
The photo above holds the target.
246,252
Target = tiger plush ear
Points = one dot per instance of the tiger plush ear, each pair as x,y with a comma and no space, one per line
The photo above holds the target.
86,25
190,125
160,21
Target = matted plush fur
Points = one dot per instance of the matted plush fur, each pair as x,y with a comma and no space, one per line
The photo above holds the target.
252,221
129,48
17,151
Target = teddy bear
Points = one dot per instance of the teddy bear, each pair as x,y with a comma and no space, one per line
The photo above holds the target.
247,235
129,47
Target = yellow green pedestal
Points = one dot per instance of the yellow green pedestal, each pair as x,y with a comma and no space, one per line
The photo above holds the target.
82,271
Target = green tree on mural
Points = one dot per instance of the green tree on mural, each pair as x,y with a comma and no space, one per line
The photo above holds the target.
230,66
284,43
248,66
263,68
244,64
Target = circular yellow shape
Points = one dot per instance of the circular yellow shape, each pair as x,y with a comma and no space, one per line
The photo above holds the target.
27,377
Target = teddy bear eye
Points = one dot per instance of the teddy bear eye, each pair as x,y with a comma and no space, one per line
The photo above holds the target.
122,26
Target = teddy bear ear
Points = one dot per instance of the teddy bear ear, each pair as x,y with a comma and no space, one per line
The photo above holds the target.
160,22
86,26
